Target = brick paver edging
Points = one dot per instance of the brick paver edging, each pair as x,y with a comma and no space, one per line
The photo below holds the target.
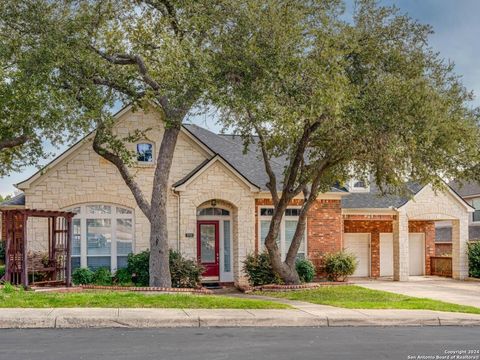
279,287
148,289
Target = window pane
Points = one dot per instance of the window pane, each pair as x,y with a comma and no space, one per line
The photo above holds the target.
264,227
207,243
290,228
95,262
226,246
124,236
122,262
76,240
476,215
123,211
266,211
99,209
75,262
145,152
292,212
99,236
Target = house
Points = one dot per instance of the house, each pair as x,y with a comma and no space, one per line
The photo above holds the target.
219,209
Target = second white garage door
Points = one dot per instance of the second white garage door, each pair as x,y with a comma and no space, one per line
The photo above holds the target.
359,245
386,254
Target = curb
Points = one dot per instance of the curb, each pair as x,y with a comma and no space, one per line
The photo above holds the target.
198,318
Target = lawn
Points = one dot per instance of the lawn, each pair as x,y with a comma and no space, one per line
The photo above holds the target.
356,297
111,299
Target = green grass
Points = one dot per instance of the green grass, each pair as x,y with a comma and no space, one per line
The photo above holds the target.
356,297
111,299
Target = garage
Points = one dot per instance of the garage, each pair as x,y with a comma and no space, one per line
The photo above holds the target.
416,250
386,254
359,245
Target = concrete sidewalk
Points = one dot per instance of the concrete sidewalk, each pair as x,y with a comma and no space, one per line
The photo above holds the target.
307,315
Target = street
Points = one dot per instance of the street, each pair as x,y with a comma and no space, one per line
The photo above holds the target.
238,343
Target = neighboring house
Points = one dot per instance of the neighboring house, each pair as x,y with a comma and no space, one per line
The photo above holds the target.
219,209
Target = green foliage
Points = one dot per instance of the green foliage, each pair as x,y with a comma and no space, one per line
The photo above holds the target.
305,270
102,276
259,269
339,265
138,267
185,273
9,288
82,276
122,277
474,259
2,270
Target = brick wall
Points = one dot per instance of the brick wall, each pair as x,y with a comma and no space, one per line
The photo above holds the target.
365,224
442,249
324,228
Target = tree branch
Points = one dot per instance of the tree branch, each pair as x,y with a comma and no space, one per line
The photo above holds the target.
170,12
143,204
11,143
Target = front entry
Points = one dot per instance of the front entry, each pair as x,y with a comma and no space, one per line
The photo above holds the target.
208,247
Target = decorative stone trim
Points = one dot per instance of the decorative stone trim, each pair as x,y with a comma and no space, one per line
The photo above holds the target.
148,289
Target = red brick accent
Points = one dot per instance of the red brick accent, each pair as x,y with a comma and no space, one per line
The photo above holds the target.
375,227
442,249
324,228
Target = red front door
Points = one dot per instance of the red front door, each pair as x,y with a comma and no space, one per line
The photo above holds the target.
207,247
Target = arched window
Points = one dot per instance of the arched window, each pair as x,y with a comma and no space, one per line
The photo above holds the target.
211,211
102,236
145,153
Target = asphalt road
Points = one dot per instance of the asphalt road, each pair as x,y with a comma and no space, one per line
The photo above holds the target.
240,343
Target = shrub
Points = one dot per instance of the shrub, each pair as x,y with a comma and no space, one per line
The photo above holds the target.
82,276
305,270
137,266
185,273
2,270
474,259
122,277
259,269
102,276
339,265
2,252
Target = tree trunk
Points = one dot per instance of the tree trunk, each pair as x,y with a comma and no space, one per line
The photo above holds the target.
159,251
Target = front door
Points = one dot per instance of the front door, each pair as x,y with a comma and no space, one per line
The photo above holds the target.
207,247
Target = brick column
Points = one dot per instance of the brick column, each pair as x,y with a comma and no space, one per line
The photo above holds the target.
459,248
375,253
400,247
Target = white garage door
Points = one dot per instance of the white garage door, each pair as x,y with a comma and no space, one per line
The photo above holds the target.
386,254
359,245
416,249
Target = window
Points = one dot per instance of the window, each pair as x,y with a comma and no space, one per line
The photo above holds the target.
102,236
145,153
358,185
287,230
476,214
213,212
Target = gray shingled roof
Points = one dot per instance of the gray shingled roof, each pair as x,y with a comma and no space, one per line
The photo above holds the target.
465,188
375,200
247,162
17,200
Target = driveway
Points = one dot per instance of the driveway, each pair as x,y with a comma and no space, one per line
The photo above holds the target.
437,288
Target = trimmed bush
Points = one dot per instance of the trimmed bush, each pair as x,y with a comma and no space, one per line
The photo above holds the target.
102,276
122,277
474,259
138,265
185,273
305,270
259,269
82,276
2,270
2,252
339,265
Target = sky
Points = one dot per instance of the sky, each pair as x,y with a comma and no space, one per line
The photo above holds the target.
456,38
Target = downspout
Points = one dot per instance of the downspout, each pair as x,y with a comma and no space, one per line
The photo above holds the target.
177,195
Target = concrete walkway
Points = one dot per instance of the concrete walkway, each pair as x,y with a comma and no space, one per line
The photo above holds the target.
304,315
437,288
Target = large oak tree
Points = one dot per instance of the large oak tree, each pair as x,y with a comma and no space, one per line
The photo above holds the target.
336,98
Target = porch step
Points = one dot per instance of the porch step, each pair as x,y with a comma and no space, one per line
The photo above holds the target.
212,286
